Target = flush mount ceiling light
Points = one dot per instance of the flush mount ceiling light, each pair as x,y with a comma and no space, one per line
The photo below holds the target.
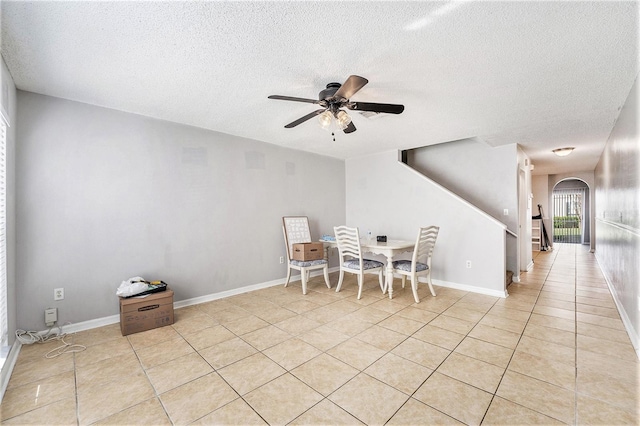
563,152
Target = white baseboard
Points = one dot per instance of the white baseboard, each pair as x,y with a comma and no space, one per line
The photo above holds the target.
7,367
114,319
530,266
88,325
464,287
472,289
628,325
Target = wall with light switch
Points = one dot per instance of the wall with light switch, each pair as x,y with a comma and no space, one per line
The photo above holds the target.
390,198
485,176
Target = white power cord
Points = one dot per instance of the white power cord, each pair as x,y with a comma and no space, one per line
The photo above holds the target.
31,337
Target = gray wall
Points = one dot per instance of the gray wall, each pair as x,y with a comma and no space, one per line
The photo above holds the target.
106,195
617,213
391,198
485,176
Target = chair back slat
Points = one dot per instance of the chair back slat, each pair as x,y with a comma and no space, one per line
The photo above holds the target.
348,241
296,230
425,243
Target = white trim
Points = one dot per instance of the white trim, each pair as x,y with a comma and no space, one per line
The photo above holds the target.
530,266
7,367
88,325
4,116
620,226
114,319
4,109
472,289
246,289
628,325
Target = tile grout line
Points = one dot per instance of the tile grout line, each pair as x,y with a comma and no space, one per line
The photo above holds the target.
495,393
541,280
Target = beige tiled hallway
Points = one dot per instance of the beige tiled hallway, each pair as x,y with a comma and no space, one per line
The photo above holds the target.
555,351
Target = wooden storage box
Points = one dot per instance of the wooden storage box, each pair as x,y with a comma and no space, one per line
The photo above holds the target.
144,313
308,251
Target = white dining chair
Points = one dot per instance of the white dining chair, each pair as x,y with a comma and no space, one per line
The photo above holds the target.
351,260
296,230
420,263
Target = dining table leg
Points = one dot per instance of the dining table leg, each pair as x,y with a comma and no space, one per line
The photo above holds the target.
389,276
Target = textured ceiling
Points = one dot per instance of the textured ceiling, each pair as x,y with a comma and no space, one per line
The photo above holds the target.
540,74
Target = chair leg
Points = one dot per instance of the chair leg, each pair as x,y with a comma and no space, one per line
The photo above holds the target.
340,281
414,287
326,276
303,278
360,282
286,283
433,293
380,279
404,280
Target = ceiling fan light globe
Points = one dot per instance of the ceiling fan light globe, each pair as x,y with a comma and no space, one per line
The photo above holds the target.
343,119
325,119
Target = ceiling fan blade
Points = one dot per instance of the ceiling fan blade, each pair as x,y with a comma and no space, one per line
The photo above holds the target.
305,118
350,87
350,128
373,107
291,98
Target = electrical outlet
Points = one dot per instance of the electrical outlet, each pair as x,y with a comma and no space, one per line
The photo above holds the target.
468,264
58,293
281,259
50,316
505,212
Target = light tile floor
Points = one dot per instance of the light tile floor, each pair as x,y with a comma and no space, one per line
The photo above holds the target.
555,351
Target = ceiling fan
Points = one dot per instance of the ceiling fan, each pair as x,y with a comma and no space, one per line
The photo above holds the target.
335,97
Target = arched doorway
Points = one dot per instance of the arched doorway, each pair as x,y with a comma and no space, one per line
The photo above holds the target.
571,212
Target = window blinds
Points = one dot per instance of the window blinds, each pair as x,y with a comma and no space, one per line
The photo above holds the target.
3,235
